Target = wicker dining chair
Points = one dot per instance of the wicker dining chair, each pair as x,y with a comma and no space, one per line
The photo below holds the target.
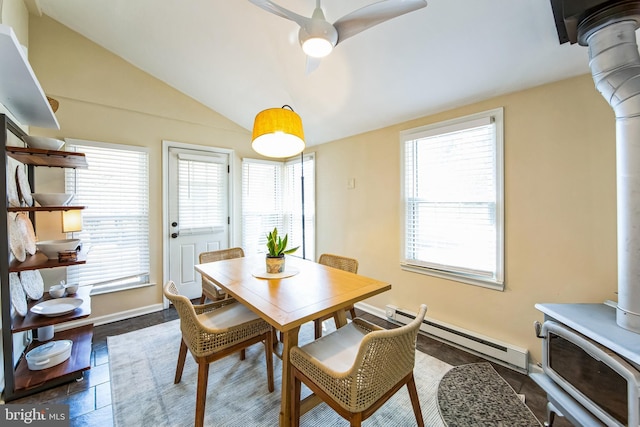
213,331
209,289
343,263
357,368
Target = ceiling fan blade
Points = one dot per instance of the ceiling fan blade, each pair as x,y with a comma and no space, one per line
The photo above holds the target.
312,64
271,7
374,14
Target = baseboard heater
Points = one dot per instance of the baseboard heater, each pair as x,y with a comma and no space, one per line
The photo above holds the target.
504,354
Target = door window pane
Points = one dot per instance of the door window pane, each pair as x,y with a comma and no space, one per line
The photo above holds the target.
201,205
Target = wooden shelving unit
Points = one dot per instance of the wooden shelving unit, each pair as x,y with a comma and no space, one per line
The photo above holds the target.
40,261
28,382
20,381
49,158
22,95
33,321
44,208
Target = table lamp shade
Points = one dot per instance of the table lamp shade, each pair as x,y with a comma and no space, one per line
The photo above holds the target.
71,221
277,132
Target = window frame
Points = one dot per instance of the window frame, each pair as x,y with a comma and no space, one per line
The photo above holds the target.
122,283
497,282
286,216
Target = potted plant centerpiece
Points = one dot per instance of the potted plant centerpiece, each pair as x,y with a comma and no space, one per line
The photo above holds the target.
276,250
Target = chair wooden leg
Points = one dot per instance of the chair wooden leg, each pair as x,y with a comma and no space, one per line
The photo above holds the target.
243,354
355,420
295,401
201,393
317,328
352,310
203,299
182,355
415,402
268,354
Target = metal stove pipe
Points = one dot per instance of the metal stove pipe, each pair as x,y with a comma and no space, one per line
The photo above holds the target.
615,66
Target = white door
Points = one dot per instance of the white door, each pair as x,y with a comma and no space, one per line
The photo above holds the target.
198,187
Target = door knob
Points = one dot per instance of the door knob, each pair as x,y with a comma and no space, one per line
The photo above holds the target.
174,224
174,235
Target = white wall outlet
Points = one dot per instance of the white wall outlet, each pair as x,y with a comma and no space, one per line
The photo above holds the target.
390,311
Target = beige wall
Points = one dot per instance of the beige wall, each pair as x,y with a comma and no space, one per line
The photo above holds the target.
559,212
15,14
559,185
104,98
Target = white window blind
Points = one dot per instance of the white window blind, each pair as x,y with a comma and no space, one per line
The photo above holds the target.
262,208
294,170
115,191
272,197
452,197
202,206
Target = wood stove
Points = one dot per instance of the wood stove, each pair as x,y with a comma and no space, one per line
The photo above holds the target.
591,366
591,352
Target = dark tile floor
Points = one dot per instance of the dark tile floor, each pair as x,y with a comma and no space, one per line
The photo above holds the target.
89,400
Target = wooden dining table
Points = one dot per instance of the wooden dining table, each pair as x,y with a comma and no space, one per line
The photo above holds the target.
309,291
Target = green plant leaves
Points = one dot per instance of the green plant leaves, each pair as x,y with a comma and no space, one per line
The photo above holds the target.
277,246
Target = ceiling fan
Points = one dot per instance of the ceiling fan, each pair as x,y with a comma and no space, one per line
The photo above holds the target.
318,37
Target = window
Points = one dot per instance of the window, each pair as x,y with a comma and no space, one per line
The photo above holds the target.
453,199
202,192
115,190
272,197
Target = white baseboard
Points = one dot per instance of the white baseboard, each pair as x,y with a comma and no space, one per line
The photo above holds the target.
110,318
379,312
514,357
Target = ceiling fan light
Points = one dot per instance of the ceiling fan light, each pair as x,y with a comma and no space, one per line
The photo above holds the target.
317,47
277,132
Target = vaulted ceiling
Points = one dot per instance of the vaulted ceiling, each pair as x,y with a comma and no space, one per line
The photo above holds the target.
238,59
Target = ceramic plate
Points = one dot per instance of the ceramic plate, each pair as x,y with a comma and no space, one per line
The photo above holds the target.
16,240
32,283
28,234
12,189
18,297
24,189
261,273
56,307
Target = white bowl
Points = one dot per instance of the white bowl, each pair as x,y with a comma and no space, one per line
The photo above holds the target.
43,142
71,289
48,355
57,291
52,199
51,247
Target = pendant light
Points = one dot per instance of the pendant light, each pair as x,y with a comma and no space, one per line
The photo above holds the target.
277,132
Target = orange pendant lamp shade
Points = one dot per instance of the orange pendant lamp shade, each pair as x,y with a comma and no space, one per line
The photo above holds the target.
277,132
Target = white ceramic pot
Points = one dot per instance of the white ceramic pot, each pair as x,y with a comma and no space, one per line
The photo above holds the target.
57,291
275,264
50,354
45,333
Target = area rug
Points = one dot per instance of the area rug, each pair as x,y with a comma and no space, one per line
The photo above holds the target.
475,395
142,365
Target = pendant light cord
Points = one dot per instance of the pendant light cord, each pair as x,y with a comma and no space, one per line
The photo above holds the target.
304,246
